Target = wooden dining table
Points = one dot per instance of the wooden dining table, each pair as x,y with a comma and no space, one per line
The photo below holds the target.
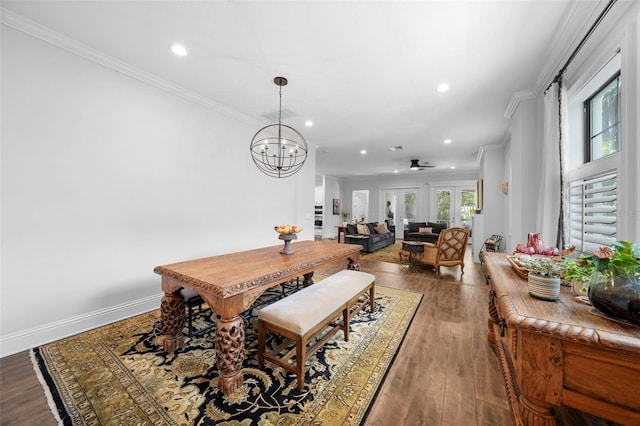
230,284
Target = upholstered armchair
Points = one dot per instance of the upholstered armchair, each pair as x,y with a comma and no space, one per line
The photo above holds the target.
448,251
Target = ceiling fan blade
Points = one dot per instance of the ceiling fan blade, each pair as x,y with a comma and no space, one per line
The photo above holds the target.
415,165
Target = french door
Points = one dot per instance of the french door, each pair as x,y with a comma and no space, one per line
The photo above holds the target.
454,205
401,206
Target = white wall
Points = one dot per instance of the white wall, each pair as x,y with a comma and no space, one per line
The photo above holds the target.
525,151
331,191
105,177
493,198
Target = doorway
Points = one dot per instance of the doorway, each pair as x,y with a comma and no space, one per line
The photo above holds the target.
360,204
401,206
454,205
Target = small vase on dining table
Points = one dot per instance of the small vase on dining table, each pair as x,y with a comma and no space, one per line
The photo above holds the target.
287,243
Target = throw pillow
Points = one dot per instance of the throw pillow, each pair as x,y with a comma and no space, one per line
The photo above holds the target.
363,230
425,230
381,228
437,227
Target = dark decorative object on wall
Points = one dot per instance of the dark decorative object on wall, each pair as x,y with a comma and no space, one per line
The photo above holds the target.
336,206
277,149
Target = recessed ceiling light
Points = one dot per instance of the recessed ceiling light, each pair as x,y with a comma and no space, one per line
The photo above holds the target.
452,167
443,87
308,123
447,141
179,50
395,171
363,152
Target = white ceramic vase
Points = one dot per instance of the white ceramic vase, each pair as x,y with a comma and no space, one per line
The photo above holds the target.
545,288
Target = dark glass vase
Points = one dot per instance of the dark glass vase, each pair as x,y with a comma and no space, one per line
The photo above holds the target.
615,296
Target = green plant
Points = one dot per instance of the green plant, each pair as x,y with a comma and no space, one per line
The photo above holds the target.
578,269
543,266
345,215
623,260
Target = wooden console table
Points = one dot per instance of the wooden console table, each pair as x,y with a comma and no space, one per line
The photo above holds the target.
230,284
560,353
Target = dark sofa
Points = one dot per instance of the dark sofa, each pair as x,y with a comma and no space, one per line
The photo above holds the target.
370,242
412,233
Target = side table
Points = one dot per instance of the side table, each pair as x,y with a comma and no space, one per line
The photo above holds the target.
415,250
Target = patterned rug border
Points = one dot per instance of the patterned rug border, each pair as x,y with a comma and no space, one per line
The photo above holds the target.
395,354
356,413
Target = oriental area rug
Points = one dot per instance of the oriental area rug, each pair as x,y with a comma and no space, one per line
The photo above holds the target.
119,374
387,254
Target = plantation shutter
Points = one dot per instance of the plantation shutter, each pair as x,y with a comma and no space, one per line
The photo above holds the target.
592,212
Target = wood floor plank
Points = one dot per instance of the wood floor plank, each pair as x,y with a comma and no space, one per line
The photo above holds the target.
490,415
489,384
22,399
460,396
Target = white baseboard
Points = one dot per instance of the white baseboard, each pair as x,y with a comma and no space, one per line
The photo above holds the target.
36,336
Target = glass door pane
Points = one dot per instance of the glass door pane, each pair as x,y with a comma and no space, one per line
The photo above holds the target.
444,213
467,207
410,206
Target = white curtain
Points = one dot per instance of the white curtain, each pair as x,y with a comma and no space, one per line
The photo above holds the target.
551,211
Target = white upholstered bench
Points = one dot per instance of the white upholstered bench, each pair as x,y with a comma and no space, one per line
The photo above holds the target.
306,313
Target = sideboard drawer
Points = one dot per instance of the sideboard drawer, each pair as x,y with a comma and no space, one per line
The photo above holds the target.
610,376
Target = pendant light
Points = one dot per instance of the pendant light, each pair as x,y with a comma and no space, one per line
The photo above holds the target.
279,150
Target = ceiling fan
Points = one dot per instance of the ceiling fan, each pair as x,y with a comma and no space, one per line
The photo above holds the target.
415,165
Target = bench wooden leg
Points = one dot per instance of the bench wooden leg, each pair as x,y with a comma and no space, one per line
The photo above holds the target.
372,298
261,343
301,346
345,323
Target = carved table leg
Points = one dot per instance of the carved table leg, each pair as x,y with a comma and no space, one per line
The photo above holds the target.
493,317
353,264
534,414
172,320
308,279
229,346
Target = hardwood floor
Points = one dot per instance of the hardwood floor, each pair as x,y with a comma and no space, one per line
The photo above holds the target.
445,373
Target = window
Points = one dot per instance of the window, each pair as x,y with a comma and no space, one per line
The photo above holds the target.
602,120
410,206
592,212
594,158
443,206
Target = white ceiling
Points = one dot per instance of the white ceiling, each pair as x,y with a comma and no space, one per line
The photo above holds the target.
364,72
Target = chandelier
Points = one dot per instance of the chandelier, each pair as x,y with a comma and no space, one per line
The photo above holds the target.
277,149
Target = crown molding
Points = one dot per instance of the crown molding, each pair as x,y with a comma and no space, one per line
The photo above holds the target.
571,36
47,35
517,97
582,22
492,147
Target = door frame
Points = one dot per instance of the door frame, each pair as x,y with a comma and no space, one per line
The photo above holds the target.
399,207
456,189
